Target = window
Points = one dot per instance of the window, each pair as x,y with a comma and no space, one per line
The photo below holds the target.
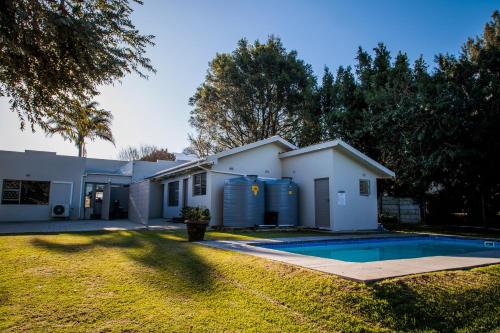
200,184
173,194
25,192
364,187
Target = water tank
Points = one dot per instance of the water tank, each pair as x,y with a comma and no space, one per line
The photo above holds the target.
244,202
282,197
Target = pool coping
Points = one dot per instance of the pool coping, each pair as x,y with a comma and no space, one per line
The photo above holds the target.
366,271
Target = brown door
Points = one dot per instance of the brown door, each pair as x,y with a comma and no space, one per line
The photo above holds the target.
322,202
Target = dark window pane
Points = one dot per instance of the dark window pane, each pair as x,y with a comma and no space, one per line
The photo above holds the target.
364,187
35,193
173,193
200,184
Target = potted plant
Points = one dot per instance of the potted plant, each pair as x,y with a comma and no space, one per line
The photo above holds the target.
196,219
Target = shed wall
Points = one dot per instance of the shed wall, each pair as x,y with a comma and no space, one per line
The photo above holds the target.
359,212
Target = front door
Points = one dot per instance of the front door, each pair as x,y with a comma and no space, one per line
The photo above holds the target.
322,202
185,192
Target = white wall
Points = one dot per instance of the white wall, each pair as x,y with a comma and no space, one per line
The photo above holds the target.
41,166
262,161
138,207
304,169
192,201
360,212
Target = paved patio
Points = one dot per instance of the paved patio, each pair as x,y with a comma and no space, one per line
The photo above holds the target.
363,272
85,225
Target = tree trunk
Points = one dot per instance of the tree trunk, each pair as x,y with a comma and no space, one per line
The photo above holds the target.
81,149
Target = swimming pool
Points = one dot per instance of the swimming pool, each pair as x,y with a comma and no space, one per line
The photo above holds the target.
376,249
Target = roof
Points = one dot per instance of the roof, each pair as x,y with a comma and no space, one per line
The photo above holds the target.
346,148
274,139
212,158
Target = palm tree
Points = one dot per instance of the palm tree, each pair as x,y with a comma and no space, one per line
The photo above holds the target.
82,122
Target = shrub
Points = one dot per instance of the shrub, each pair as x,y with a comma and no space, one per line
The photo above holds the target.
195,214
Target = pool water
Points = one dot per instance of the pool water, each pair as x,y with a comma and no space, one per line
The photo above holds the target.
375,249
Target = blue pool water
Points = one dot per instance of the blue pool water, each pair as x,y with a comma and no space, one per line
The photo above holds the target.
375,249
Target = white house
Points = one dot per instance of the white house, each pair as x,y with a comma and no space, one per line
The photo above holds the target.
34,183
337,183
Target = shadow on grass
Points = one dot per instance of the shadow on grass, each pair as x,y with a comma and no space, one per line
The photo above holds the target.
173,259
433,303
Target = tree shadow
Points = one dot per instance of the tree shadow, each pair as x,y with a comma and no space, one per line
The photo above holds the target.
428,302
174,261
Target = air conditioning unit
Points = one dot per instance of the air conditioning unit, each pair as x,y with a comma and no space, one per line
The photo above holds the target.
60,210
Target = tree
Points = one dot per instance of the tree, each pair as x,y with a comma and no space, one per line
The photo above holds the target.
257,91
201,145
84,121
146,153
55,52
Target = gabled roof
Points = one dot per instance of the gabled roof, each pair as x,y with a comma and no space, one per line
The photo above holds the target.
212,158
274,139
346,148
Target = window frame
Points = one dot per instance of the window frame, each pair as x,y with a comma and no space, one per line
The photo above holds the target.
200,188
368,188
25,191
173,194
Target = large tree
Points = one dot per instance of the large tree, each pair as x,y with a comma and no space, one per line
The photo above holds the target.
53,52
84,122
257,91
438,130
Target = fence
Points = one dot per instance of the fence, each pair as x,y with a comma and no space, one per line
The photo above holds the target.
407,210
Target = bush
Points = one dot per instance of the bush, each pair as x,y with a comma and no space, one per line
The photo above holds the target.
195,214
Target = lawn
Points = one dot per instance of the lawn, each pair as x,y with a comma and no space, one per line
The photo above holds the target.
156,281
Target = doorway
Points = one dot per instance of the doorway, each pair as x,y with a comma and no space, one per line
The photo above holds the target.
322,203
105,201
185,183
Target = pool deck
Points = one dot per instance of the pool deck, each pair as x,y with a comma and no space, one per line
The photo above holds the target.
363,272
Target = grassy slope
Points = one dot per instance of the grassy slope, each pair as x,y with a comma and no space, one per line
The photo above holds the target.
155,281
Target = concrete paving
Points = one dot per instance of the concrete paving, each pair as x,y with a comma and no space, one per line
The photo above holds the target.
366,271
84,225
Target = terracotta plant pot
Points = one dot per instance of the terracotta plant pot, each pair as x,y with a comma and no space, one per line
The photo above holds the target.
196,230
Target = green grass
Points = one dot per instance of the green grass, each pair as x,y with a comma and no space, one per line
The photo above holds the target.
156,281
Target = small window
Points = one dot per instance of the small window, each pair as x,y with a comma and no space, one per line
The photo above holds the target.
173,194
364,187
200,184
25,192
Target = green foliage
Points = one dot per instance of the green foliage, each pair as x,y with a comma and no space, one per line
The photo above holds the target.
54,52
437,130
195,214
257,91
82,122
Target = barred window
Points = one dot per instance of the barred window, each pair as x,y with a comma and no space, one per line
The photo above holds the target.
200,184
25,192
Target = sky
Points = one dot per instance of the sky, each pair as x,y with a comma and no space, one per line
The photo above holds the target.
190,33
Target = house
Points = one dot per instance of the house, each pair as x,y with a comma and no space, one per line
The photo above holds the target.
337,183
33,183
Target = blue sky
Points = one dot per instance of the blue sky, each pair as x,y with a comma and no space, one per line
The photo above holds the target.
190,33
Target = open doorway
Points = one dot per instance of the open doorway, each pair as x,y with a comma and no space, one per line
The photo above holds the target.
105,201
